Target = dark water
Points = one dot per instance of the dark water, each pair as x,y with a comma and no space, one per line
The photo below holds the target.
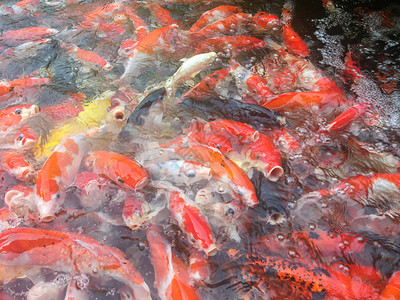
356,242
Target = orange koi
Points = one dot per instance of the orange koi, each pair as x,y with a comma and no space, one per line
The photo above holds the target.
20,200
232,45
305,100
214,15
263,23
223,168
87,57
198,267
47,249
291,39
234,24
344,120
16,165
192,222
125,172
28,34
171,275
233,131
162,15
101,15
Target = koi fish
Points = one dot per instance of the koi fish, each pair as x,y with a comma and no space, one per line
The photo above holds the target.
295,100
344,120
11,118
8,219
87,57
139,25
46,249
16,165
28,34
233,25
172,279
58,173
214,15
92,189
291,39
224,169
162,15
167,40
92,116
42,290
123,171
232,45
25,6
179,172
25,139
392,289
20,200
192,222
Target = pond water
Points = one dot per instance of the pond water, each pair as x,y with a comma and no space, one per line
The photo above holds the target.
154,150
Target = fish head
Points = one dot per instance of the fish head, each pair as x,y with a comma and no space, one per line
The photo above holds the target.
16,114
25,139
49,196
136,212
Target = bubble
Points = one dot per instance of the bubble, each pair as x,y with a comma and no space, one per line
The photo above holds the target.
341,245
312,226
291,205
82,281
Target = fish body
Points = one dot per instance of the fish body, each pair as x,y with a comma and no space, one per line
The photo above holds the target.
28,34
87,57
58,173
172,279
214,15
344,120
125,172
23,249
224,169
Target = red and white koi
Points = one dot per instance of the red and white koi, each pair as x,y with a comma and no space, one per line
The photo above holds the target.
214,15
11,118
58,173
172,279
192,222
123,171
46,249
17,165
25,6
224,169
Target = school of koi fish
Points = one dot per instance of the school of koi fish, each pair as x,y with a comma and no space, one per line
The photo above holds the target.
188,149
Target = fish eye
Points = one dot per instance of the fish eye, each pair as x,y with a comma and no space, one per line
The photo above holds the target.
114,102
119,179
137,214
17,111
57,196
20,137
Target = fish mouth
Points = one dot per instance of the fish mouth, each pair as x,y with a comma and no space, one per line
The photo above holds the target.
275,173
142,183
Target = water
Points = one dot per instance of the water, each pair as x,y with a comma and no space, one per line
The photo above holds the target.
311,231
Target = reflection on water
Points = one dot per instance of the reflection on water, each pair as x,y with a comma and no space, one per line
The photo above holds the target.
184,154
